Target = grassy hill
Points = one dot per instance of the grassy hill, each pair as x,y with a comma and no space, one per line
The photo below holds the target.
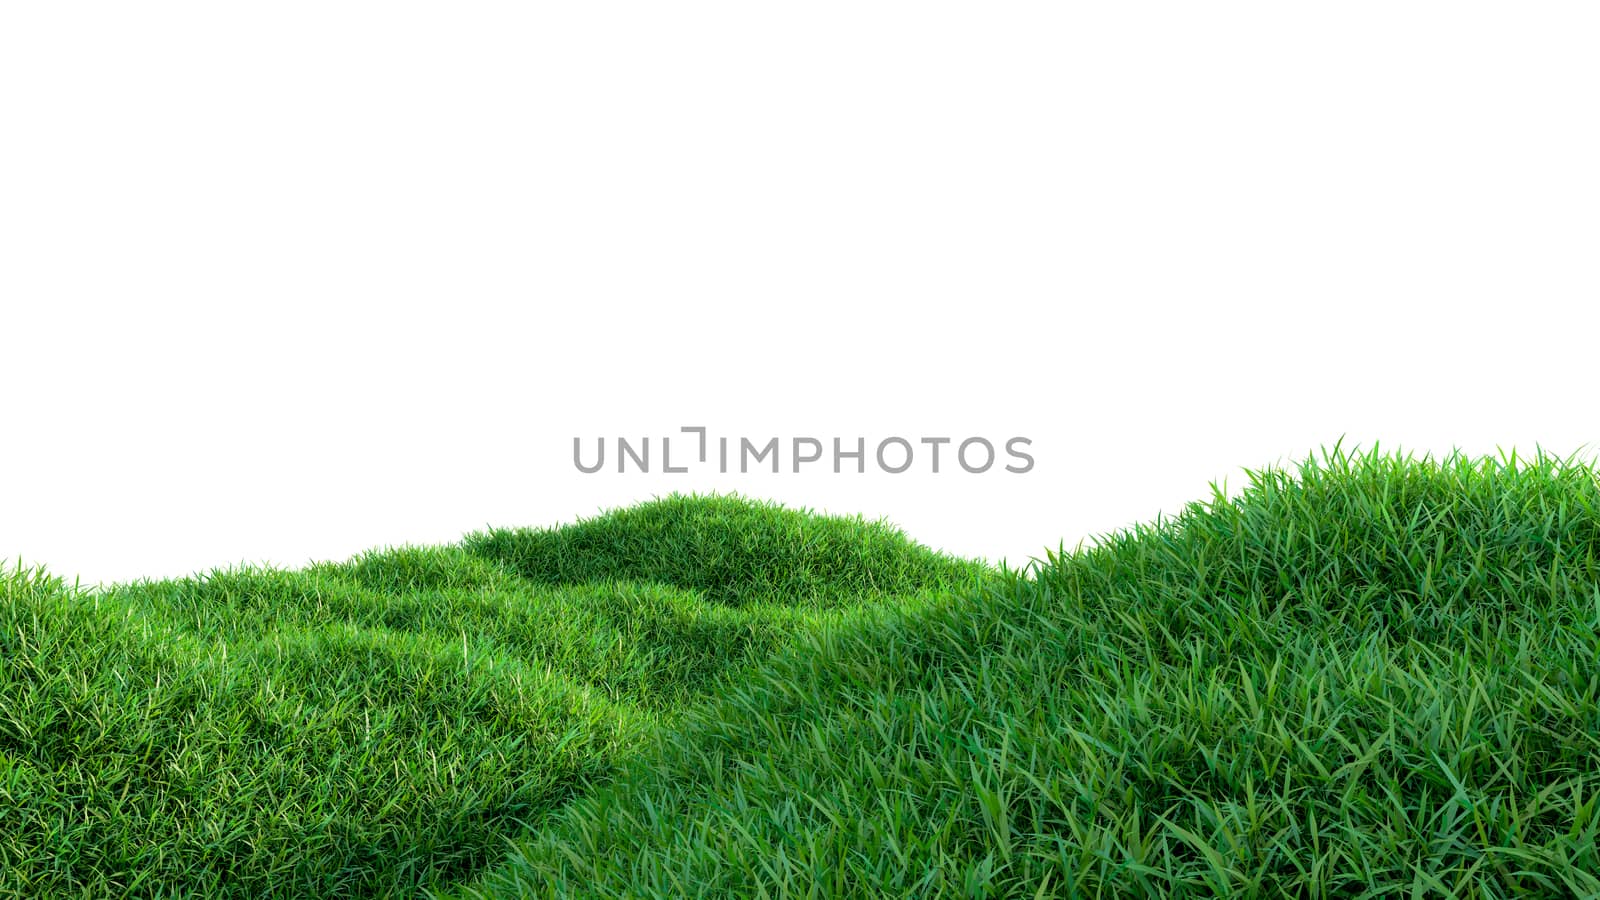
378,726
1372,676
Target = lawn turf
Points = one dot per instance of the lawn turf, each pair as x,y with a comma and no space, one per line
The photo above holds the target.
1372,675
383,725
1376,676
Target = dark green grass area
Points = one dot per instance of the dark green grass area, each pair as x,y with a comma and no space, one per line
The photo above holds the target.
382,726
1376,676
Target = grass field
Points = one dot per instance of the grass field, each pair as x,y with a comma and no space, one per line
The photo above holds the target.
1370,676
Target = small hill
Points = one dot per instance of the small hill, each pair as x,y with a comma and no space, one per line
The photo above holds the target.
383,725
1373,677
733,550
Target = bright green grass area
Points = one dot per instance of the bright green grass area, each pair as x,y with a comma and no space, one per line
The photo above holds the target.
384,725
1371,676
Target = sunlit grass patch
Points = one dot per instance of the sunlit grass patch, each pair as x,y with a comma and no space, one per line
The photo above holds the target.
366,728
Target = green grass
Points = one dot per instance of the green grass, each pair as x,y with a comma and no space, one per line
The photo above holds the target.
381,726
1371,676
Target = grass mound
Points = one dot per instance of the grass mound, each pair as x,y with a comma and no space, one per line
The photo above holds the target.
380,726
735,551
1373,677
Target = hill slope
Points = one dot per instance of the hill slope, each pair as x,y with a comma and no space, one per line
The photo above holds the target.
374,727
1372,677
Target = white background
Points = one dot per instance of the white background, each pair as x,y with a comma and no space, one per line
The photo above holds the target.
286,281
